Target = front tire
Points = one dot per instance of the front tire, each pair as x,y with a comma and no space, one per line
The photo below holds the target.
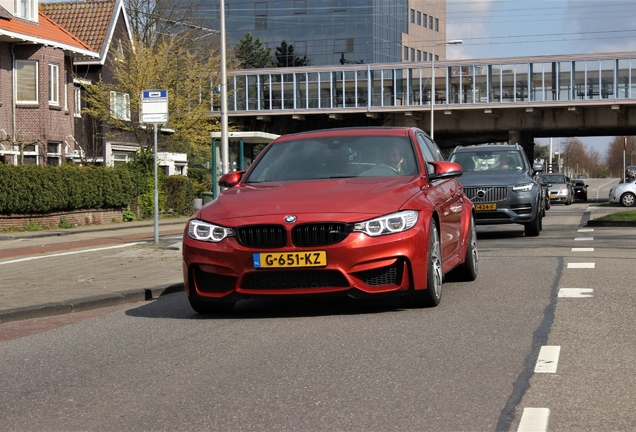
432,295
627,199
533,228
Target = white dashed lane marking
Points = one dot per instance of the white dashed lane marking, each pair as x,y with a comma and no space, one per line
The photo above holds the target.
576,292
534,420
583,238
582,249
581,265
586,230
548,359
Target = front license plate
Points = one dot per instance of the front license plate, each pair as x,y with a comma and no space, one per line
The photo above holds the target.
290,259
485,207
552,196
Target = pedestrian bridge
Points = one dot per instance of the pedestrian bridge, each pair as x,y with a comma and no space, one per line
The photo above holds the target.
511,99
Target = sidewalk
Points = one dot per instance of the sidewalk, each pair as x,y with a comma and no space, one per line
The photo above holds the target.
54,272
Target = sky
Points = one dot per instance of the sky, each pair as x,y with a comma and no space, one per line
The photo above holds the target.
512,28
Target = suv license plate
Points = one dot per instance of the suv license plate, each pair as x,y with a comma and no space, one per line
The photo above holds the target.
485,207
289,259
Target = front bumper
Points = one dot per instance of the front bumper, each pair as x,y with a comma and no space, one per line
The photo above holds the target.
558,196
357,266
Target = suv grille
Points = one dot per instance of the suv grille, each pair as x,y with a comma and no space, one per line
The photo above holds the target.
491,193
319,234
261,236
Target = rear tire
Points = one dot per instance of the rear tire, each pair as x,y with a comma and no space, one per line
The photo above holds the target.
208,308
468,270
432,295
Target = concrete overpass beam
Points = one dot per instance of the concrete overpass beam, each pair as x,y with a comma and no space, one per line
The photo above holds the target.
525,140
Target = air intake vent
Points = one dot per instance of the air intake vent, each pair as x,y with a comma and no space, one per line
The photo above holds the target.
262,236
294,279
320,234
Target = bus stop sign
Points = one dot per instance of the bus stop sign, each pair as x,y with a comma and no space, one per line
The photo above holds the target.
154,106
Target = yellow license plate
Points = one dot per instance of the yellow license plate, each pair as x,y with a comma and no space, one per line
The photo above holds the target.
290,259
485,206
552,196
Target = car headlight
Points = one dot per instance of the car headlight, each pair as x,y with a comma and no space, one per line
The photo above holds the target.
564,191
389,224
523,187
199,230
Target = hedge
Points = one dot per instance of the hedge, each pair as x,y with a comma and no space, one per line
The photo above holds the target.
38,189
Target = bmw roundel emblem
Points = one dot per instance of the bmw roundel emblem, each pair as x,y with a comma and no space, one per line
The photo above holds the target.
290,219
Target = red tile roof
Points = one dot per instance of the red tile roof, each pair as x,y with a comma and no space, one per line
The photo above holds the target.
88,20
44,30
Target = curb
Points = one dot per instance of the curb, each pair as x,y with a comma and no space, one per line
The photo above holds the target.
87,303
601,223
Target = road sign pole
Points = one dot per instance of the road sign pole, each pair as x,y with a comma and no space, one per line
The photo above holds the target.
156,192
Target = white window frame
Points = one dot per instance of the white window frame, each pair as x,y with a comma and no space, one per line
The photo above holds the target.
77,100
120,106
54,84
17,81
26,9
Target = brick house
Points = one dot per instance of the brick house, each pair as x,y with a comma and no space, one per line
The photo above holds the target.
103,25
36,86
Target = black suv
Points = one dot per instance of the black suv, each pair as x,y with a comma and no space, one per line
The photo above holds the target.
502,185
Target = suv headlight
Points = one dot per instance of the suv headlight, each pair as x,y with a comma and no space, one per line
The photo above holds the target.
389,224
203,231
523,187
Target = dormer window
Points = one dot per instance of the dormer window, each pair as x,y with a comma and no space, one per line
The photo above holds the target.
26,9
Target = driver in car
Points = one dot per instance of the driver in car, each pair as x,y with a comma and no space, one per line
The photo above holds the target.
393,158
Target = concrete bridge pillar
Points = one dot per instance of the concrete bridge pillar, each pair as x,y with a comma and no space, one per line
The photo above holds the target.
525,140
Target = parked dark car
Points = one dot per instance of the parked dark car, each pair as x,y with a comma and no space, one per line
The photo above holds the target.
580,189
353,212
502,184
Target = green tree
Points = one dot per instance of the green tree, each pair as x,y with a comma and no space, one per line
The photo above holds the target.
251,54
172,62
286,57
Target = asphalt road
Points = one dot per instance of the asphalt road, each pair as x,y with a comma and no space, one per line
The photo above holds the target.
466,365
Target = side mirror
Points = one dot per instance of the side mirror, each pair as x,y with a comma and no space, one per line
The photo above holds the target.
231,179
445,170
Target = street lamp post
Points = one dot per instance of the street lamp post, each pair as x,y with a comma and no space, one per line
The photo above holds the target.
451,42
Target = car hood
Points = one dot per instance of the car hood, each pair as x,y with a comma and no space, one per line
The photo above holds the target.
357,197
488,178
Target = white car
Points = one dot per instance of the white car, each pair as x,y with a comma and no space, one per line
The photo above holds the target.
624,193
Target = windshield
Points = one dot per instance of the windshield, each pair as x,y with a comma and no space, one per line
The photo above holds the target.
554,178
491,161
336,157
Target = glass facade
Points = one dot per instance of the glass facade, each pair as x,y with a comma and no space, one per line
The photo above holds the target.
456,83
328,32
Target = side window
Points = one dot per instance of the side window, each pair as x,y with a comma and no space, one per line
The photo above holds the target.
430,151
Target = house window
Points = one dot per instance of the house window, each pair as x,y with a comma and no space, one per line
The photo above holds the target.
77,108
120,158
54,84
406,53
300,6
430,22
436,24
424,20
419,55
412,16
419,18
412,54
120,106
53,153
26,72
260,16
26,9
